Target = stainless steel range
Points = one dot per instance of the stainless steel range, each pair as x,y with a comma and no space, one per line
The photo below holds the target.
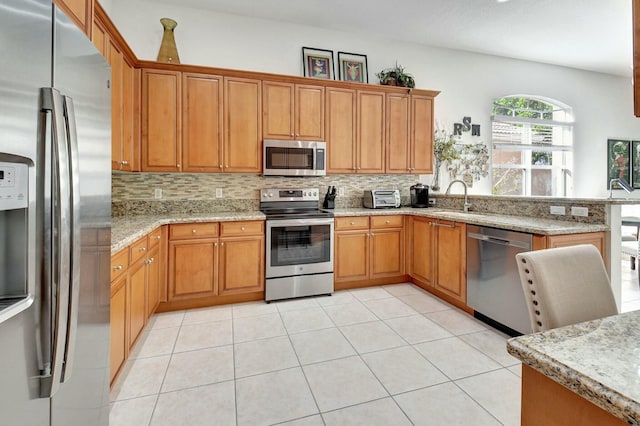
299,252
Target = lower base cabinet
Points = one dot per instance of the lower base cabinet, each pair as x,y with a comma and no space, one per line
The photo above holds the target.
118,326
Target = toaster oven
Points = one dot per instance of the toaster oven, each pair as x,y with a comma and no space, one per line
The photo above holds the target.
381,198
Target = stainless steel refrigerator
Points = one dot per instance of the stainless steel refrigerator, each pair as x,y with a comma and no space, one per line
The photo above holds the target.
55,209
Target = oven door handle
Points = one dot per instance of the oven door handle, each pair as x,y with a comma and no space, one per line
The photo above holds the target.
299,222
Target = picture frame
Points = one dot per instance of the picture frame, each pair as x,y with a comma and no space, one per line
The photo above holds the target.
635,164
618,161
353,67
318,63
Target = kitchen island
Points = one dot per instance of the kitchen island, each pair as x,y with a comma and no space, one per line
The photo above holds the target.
587,374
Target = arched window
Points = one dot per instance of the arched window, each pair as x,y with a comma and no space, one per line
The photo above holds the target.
532,147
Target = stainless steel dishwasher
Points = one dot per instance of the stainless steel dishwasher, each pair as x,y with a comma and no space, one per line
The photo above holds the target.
493,284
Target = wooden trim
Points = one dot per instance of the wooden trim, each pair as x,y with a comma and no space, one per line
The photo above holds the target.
399,279
283,78
203,302
100,15
442,295
546,402
85,26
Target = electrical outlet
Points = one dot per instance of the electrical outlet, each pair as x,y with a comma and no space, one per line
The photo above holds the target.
557,210
157,193
341,191
218,192
580,211
432,202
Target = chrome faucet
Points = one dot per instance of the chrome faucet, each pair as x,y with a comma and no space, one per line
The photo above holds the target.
467,206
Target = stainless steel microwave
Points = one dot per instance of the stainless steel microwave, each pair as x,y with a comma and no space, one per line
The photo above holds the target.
294,158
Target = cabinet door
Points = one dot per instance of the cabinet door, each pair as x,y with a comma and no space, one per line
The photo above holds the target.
201,123
277,110
153,280
117,325
595,238
243,125
99,38
80,12
161,121
341,130
421,134
241,265
192,268
451,260
370,136
116,61
397,124
422,250
128,110
309,113
136,300
387,253
351,256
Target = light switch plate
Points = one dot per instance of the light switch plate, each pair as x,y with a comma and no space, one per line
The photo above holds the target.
218,192
560,210
580,211
157,193
341,191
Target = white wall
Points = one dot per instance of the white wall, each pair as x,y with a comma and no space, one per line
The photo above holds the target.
603,104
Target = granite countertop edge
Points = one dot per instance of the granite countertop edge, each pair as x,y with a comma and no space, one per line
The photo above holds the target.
529,350
127,229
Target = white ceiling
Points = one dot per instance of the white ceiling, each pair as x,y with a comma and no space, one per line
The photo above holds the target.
593,35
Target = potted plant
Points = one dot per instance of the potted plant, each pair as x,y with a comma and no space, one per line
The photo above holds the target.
444,151
396,77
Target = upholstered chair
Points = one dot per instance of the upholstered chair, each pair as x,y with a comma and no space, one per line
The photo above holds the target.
565,286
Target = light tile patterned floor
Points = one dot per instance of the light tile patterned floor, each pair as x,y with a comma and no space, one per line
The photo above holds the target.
392,355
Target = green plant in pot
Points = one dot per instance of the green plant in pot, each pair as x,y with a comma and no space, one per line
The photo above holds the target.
396,77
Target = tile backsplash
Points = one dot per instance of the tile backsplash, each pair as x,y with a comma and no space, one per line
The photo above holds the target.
134,193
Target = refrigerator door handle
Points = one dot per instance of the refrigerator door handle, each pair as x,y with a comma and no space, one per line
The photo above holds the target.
58,262
72,327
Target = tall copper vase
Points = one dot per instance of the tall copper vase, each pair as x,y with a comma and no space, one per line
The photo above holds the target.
168,50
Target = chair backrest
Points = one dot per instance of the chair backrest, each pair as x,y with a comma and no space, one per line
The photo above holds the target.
565,286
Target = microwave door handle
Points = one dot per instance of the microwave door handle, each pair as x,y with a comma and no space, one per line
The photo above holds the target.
59,260
74,237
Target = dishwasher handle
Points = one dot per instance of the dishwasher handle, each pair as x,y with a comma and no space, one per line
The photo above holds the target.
501,241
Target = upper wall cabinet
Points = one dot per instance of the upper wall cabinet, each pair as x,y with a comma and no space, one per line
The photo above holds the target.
161,121
80,12
292,111
243,125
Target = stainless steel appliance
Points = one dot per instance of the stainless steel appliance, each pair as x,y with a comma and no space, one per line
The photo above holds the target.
419,196
55,215
493,283
294,158
381,198
299,252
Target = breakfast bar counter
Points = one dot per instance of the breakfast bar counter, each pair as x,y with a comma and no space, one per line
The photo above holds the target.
596,361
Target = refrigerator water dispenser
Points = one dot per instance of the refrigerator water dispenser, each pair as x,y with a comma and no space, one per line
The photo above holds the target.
14,202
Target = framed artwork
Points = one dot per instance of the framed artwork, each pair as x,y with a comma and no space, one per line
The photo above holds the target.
635,164
318,63
618,161
353,67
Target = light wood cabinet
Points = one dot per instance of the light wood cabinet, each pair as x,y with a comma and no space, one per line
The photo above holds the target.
80,12
118,326
202,131
438,255
421,134
371,132
292,111
340,114
368,248
212,259
136,297
598,239
243,125
161,121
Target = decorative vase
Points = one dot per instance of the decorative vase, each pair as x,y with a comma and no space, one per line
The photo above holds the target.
435,185
168,50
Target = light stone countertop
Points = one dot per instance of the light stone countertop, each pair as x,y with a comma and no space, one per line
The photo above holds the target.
127,229
598,360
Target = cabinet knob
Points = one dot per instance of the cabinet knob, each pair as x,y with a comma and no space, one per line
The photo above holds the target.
157,237
142,249
118,268
153,259
227,166
220,166
221,244
387,222
215,244
124,163
353,223
193,231
354,168
372,235
242,228
178,165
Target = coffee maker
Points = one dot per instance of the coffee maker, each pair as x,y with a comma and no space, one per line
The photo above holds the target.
419,196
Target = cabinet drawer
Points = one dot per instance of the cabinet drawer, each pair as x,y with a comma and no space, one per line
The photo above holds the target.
353,222
154,238
119,263
386,221
193,230
255,227
138,249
